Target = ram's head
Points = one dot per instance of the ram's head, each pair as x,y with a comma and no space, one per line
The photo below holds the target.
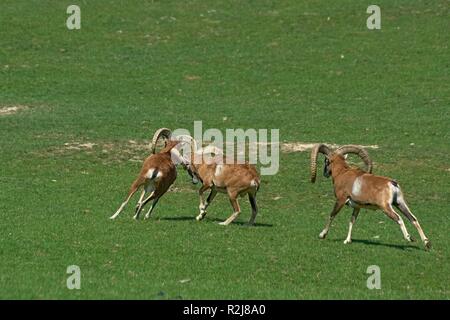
162,134
332,155
192,155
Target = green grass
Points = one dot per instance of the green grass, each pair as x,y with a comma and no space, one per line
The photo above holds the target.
311,69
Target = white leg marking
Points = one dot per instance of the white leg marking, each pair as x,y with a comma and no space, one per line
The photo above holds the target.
118,211
403,228
202,207
324,232
121,207
421,233
149,212
350,227
349,235
230,219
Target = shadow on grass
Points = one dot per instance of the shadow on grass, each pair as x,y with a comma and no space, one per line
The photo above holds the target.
177,218
244,224
377,243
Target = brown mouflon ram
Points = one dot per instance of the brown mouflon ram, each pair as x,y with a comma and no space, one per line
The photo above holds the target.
158,173
360,189
219,175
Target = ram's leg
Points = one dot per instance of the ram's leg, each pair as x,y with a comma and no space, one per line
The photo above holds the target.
134,187
236,209
139,204
337,207
352,222
203,205
150,210
403,207
252,199
390,212
211,197
139,209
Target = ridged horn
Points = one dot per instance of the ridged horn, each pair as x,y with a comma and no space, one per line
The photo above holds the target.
192,143
162,132
212,150
359,151
322,148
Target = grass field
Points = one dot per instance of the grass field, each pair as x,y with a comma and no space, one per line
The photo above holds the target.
78,108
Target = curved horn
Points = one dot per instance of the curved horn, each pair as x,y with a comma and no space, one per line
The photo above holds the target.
183,137
359,151
322,148
191,142
162,132
211,149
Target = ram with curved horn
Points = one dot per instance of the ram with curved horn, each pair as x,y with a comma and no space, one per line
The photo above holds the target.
158,173
161,133
220,174
362,189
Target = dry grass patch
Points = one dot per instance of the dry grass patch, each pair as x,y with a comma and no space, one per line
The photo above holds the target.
105,151
289,147
10,110
136,151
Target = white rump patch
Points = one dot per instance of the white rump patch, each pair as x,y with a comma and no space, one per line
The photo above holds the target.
150,174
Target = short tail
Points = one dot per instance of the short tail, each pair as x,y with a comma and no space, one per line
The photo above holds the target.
396,192
152,175
399,202
255,183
